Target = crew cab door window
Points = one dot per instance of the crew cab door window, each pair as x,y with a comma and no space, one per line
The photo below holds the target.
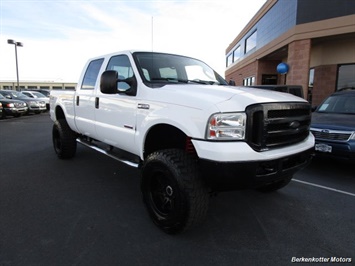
91,74
122,65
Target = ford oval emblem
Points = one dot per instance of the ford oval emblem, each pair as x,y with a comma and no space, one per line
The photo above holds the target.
294,124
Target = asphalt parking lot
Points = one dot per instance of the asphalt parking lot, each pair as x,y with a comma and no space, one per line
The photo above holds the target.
89,211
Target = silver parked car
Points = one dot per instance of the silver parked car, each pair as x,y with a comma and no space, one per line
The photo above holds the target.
38,96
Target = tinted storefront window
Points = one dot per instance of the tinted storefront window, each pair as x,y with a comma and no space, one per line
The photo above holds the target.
346,76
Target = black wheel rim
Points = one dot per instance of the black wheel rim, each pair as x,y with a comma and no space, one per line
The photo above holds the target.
162,196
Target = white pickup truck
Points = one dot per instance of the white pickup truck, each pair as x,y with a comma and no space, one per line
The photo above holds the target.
189,132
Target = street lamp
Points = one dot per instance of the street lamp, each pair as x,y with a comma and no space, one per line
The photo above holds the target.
20,45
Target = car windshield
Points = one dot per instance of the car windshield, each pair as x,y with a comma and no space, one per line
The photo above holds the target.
340,104
38,95
159,69
18,95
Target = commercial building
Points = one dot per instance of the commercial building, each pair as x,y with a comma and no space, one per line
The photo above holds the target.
314,39
31,85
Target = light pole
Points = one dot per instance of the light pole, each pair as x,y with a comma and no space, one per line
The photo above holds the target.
20,45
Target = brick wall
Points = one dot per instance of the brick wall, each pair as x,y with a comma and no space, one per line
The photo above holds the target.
242,73
298,60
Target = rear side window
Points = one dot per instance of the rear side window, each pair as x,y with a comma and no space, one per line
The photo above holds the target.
91,74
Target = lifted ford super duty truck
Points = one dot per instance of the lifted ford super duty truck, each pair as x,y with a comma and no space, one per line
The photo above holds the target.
188,131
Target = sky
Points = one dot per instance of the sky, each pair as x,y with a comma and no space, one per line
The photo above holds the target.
60,36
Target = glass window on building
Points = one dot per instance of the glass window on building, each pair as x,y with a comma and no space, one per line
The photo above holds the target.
229,60
250,81
250,42
310,85
236,54
268,79
311,78
346,76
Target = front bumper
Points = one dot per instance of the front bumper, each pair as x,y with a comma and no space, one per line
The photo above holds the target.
37,108
222,176
240,151
235,165
15,111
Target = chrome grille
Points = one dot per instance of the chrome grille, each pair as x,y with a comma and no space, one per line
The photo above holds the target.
331,135
19,104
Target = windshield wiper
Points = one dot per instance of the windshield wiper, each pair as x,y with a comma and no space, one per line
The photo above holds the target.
173,80
205,82
198,81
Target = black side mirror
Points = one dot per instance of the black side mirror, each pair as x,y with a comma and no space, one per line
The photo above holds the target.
108,82
314,108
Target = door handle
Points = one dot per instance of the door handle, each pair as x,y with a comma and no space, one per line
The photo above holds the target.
97,102
77,100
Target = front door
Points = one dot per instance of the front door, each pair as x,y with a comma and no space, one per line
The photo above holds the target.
116,113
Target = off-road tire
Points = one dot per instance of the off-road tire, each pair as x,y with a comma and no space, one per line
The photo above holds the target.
64,139
276,185
173,192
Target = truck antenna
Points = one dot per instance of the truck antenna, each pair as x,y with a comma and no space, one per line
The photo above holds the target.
152,33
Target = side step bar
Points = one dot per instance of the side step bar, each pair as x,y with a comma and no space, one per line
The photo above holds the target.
108,153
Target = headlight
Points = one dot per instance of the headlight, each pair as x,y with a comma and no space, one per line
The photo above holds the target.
226,126
352,136
10,105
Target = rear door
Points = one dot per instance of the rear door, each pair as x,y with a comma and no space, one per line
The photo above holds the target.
85,99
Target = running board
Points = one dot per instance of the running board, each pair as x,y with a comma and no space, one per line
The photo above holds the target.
108,153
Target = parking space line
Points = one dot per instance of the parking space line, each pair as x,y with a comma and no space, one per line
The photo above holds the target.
328,188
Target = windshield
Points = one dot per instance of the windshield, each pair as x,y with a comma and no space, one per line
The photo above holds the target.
341,104
17,95
158,69
38,95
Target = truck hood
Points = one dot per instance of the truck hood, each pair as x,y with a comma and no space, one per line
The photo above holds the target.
225,98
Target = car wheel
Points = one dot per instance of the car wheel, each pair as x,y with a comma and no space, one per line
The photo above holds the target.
173,192
64,139
276,185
